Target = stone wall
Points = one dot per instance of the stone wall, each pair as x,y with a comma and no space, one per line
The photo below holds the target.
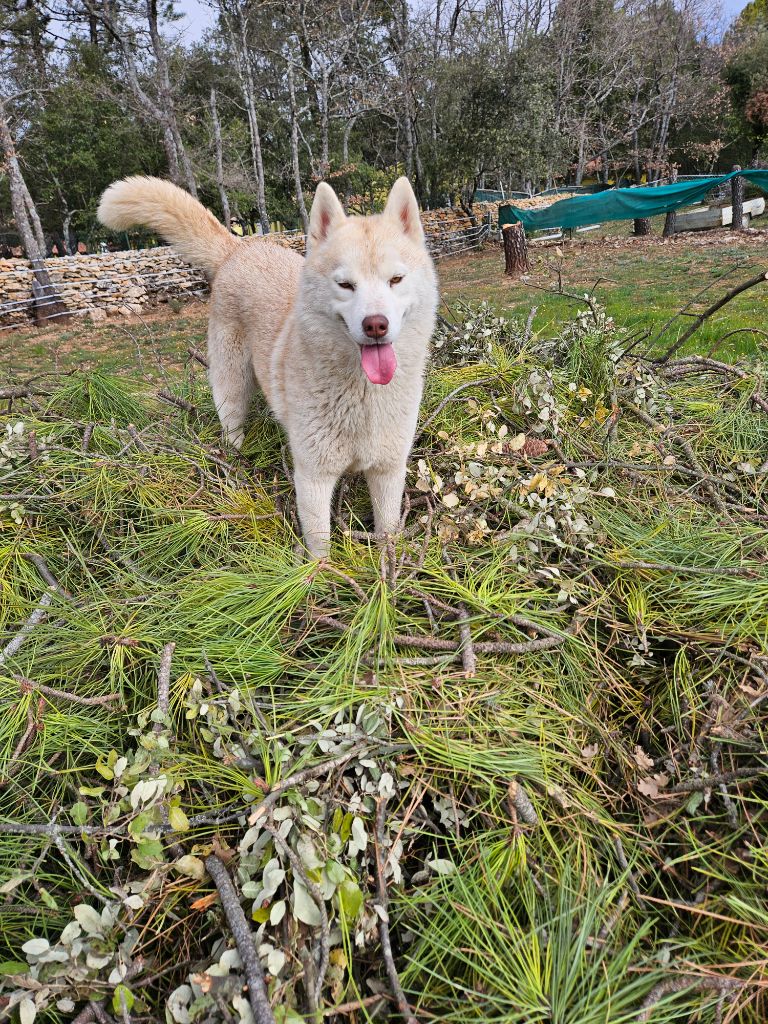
101,284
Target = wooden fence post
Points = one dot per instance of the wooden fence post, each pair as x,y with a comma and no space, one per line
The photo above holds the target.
737,200
515,249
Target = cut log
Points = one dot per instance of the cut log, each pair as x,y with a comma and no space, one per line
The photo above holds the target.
515,250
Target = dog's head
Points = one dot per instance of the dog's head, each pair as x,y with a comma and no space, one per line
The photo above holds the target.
371,274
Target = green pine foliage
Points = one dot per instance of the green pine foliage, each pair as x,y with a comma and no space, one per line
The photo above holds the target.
554,682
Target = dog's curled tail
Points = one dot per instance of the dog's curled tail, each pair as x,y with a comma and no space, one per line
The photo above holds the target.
176,216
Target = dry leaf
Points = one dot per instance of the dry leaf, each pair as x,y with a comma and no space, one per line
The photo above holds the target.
650,785
642,760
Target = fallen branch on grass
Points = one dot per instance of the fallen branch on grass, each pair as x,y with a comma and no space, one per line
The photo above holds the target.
383,903
688,983
37,616
314,992
433,643
701,317
254,975
30,686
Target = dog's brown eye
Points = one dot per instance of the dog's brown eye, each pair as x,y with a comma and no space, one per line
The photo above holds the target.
346,284
395,280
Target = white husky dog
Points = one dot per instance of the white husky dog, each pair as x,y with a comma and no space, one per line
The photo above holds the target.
337,341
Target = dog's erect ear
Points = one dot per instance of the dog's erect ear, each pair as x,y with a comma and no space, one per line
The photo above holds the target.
402,207
327,213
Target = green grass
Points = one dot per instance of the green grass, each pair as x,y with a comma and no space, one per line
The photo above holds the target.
642,283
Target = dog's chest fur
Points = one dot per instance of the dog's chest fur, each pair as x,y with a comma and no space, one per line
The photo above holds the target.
341,421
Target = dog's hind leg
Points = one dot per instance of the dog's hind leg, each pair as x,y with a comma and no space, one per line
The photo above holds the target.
232,382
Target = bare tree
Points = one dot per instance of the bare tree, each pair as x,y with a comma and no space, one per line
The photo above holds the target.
235,20
160,108
217,143
47,301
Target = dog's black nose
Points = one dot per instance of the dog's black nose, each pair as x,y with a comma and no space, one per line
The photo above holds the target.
375,326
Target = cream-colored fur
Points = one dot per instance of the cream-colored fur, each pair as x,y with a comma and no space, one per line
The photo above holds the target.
296,327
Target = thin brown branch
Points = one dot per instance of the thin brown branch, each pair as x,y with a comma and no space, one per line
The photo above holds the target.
449,398
712,781
702,317
433,643
30,686
198,356
383,902
45,573
254,975
180,403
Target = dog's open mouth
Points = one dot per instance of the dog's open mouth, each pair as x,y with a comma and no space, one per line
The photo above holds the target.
379,363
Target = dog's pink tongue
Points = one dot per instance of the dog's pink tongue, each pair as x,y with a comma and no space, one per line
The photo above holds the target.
379,363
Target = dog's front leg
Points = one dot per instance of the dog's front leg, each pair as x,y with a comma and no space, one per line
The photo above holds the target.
313,499
386,486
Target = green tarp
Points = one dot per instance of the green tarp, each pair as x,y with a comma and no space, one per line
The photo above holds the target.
621,203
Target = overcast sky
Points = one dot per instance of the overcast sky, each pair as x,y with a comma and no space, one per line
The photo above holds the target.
199,16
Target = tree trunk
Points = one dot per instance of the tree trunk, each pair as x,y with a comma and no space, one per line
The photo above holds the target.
246,81
66,228
515,250
166,100
34,217
295,151
225,212
737,200
670,221
47,302
641,226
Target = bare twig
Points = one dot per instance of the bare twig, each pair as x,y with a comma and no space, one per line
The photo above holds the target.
34,619
87,434
300,777
198,356
693,570
688,983
323,566
433,643
325,932
713,781
701,317
254,975
40,564
29,685
180,403
383,902
468,659
164,683
448,398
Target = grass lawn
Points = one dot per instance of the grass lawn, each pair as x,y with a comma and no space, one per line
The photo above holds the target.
642,282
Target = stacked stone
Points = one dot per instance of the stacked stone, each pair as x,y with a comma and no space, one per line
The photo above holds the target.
100,284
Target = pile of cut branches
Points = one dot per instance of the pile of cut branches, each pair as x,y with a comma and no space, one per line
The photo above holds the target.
509,766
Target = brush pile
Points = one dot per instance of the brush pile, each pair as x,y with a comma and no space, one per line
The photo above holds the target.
510,766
